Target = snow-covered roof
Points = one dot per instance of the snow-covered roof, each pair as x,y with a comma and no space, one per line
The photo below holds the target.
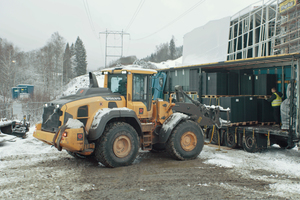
130,68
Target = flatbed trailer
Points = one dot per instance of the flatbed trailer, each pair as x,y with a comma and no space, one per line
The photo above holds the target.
251,138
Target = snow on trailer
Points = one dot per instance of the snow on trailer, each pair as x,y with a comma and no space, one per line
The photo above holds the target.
214,82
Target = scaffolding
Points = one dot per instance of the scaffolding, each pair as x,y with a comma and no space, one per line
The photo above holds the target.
288,38
252,31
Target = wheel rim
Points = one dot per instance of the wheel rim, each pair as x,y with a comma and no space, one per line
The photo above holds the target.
249,142
230,139
122,146
188,141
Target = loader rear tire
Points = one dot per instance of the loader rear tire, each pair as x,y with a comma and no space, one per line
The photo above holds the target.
186,141
118,146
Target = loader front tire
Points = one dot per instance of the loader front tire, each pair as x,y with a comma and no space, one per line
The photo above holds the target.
118,146
186,141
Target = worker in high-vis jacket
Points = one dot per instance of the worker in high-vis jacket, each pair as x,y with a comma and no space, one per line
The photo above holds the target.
276,100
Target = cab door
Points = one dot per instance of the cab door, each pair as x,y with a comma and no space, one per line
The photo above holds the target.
140,99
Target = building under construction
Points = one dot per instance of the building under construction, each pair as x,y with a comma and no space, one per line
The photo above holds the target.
263,29
287,39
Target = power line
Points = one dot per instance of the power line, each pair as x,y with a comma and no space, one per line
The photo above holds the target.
88,13
135,14
89,16
107,33
176,19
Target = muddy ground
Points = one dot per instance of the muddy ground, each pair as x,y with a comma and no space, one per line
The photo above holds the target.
57,175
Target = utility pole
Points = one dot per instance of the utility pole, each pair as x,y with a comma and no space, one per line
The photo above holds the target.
107,33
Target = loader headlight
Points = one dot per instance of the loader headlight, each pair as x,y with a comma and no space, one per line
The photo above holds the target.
46,105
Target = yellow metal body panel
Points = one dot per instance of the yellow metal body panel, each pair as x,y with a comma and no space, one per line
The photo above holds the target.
93,104
71,142
164,110
44,136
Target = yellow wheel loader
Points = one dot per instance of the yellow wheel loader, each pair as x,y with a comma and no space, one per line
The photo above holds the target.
113,122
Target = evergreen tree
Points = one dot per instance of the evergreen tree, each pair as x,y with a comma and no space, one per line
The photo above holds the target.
80,58
73,61
67,70
172,49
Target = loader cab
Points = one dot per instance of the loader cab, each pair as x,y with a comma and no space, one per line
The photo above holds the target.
136,87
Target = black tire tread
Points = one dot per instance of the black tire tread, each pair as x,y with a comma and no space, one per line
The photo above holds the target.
100,151
170,146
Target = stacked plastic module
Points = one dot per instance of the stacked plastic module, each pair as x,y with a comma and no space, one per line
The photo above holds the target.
236,105
265,111
263,83
232,85
243,94
247,87
217,84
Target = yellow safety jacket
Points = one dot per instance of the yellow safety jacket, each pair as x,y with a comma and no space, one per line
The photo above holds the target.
277,101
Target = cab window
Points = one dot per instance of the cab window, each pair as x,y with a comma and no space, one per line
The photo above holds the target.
82,114
142,89
117,83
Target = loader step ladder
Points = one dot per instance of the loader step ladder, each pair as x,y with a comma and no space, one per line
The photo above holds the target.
147,141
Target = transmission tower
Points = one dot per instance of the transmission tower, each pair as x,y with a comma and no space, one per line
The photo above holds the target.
107,33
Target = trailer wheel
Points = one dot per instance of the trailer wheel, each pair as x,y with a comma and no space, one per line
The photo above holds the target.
249,143
215,139
118,146
230,139
186,141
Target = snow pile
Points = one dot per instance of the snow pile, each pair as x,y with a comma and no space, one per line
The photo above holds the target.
27,146
168,63
74,123
215,107
4,137
82,82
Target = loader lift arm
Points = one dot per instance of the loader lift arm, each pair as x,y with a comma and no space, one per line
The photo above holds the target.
204,116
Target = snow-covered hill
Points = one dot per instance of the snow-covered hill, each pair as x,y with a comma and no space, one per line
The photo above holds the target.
83,81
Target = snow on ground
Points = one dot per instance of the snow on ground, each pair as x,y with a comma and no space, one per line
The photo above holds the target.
271,165
29,145
275,165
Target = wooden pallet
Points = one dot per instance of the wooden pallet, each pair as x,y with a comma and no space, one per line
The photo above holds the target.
244,123
191,92
262,97
267,123
217,96
249,123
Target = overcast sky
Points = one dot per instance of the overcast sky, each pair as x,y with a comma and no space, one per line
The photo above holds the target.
29,24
